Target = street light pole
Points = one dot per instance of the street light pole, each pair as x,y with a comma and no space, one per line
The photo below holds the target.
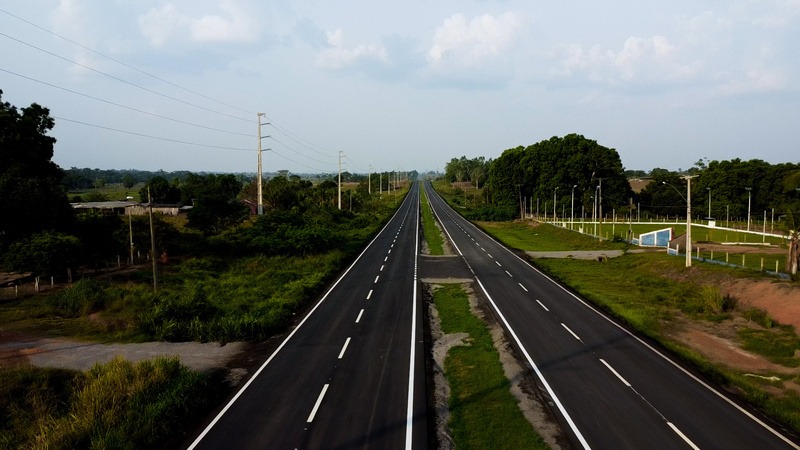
749,197
688,179
554,203
709,203
572,208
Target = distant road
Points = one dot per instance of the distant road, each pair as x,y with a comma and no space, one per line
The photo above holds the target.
351,375
609,388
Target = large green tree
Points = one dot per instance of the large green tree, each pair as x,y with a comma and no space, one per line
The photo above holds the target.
215,201
32,198
551,168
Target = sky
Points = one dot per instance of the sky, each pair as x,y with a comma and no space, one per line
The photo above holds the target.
406,85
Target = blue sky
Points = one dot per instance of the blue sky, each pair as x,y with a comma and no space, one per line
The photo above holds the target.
403,85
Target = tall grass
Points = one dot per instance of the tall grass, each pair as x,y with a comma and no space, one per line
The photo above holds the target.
118,405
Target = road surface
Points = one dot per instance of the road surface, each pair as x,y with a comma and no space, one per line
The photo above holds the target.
608,388
351,374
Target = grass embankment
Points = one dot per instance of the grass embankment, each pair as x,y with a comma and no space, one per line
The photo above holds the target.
432,234
634,288
484,413
118,405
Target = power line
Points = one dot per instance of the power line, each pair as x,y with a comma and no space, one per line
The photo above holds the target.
298,140
133,133
125,64
298,153
122,106
122,80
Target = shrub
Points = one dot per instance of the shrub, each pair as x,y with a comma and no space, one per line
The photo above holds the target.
82,298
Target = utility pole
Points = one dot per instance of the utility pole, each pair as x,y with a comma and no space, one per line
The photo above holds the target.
380,185
258,175
600,209
688,179
340,180
369,181
130,231
152,240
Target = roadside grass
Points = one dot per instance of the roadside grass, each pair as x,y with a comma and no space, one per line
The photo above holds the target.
545,237
484,413
120,405
432,234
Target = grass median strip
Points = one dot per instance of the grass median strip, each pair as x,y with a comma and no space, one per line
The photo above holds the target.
483,412
432,234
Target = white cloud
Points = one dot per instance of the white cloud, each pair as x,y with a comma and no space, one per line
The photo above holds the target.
338,55
476,42
167,22
640,60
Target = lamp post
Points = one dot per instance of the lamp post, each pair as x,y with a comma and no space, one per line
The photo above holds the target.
709,203
749,197
572,208
688,197
554,203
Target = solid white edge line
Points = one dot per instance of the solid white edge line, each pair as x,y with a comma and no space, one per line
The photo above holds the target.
650,347
683,436
283,344
624,381
344,348
539,374
316,405
542,305
361,313
570,331
412,356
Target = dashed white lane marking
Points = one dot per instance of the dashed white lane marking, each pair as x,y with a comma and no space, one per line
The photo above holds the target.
316,405
382,266
624,381
523,287
498,263
376,279
490,255
344,348
509,274
369,294
542,305
358,319
571,332
683,436
385,259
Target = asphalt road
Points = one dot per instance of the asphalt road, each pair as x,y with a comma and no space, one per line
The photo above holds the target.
351,374
608,388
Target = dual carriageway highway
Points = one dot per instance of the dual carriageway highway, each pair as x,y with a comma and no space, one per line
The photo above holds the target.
352,372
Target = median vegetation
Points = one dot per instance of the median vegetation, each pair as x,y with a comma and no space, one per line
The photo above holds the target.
433,236
483,412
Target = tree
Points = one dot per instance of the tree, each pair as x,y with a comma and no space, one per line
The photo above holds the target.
47,253
32,198
215,202
161,191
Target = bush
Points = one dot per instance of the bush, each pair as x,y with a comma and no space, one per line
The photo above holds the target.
82,298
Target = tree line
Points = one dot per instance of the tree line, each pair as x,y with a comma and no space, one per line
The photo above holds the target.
553,172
